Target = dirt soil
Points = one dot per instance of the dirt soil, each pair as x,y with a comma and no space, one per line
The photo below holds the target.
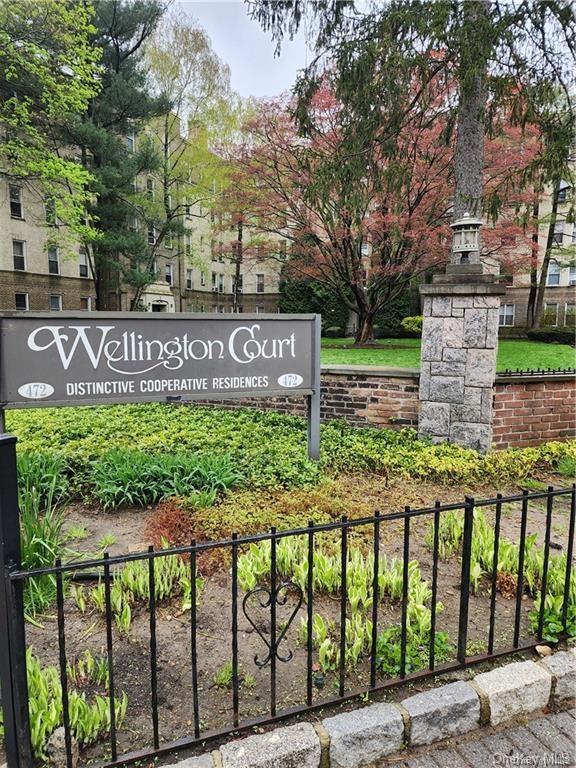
132,652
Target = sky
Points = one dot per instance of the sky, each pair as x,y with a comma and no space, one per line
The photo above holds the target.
248,51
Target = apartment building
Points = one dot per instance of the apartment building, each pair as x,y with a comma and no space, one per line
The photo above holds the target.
560,294
43,269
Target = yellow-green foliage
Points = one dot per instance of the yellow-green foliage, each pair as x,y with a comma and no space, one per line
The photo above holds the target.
291,560
267,449
131,586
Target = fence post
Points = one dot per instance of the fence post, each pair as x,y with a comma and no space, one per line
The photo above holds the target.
13,682
465,578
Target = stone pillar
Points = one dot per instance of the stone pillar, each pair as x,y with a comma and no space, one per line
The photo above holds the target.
458,361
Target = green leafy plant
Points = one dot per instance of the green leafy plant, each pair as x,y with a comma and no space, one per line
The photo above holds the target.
89,669
129,477
131,588
413,325
89,718
388,651
42,485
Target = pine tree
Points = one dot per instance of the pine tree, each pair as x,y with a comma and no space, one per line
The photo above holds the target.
120,253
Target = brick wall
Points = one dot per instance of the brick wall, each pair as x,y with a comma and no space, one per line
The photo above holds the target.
532,410
39,289
527,410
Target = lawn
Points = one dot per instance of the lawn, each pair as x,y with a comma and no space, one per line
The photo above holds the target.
405,353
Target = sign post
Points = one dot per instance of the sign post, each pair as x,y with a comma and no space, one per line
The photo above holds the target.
49,359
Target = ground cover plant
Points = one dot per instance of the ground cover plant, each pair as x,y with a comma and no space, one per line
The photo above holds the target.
405,353
216,449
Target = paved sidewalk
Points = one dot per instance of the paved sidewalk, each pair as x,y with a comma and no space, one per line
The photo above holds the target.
548,740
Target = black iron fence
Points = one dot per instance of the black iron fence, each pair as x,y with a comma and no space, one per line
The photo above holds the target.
511,372
270,598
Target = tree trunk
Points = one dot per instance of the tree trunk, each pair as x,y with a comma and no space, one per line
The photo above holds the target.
238,267
532,293
365,332
469,158
539,308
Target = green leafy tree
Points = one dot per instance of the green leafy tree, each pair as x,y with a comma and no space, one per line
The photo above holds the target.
120,254
49,73
185,69
508,57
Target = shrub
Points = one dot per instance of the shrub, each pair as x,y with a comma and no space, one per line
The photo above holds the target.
334,332
413,325
552,335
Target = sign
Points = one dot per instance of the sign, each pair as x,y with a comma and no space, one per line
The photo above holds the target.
98,358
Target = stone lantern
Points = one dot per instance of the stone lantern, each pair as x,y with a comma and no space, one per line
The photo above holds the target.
466,240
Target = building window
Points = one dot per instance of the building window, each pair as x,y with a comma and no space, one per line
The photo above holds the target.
572,275
151,235
558,234
55,303
259,309
550,316
220,283
202,278
130,141
133,223
150,191
19,254
82,262
21,301
168,274
563,191
188,246
570,314
50,208
53,262
282,250
553,277
168,239
16,210
506,314
259,283
189,279
86,303
214,285
221,251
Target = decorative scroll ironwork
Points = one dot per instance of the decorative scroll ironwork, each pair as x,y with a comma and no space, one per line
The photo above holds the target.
264,595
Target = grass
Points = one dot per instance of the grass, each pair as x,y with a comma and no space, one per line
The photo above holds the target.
405,353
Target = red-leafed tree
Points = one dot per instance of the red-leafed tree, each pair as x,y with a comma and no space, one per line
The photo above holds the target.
365,240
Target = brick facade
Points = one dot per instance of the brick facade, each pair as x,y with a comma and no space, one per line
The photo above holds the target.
40,287
533,410
527,410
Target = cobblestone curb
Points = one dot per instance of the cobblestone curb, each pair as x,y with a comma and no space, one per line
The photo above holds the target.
362,737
